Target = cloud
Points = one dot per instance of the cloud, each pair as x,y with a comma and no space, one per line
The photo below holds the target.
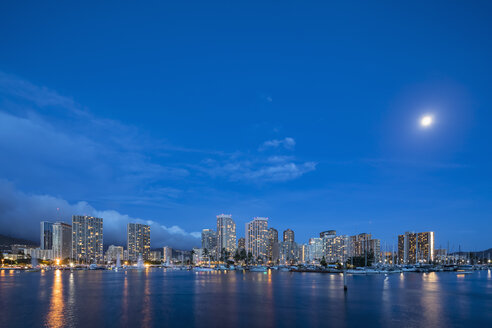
259,170
287,143
21,214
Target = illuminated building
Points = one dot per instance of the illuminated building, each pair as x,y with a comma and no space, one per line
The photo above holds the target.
62,240
315,253
138,241
328,234
363,244
226,234
155,256
46,235
289,236
112,253
167,254
257,237
334,247
209,240
272,240
410,251
87,239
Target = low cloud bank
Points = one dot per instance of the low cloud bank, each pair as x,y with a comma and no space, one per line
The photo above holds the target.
21,213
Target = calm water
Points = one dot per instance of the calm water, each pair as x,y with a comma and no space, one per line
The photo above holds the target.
206,299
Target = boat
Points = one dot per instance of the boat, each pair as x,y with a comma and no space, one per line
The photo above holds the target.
258,269
409,268
200,269
356,271
94,266
371,271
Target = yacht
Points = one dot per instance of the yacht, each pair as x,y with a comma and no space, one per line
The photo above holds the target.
258,269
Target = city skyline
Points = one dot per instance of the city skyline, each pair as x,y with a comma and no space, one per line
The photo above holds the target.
317,122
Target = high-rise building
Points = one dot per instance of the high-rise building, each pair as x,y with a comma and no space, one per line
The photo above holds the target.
327,234
315,249
335,248
241,244
113,252
46,235
272,240
226,234
209,240
62,240
167,253
425,252
87,239
138,241
257,237
416,247
288,252
363,244
289,236
155,256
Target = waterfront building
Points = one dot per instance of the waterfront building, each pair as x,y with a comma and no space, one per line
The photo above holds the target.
288,252
138,241
257,237
289,236
198,256
155,256
335,248
315,250
272,240
416,247
363,244
209,241
425,251
38,253
112,253
46,235
167,254
441,255
302,253
62,240
18,248
87,239
226,234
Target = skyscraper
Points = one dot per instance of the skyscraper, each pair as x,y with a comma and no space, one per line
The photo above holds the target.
46,235
315,247
426,246
209,240
138,241
257,237
363,244
289,236
87,239
62,240
226,234
272,240
167,254
410,251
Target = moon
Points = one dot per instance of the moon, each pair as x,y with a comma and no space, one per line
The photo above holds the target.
426,121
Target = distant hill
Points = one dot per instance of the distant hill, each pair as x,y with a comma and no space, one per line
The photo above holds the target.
6,241
485,253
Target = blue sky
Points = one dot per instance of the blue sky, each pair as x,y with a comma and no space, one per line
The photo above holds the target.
304,112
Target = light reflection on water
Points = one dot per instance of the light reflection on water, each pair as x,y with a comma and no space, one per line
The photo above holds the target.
156,297
55,317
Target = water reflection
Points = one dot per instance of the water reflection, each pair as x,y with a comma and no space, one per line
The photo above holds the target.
55,317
